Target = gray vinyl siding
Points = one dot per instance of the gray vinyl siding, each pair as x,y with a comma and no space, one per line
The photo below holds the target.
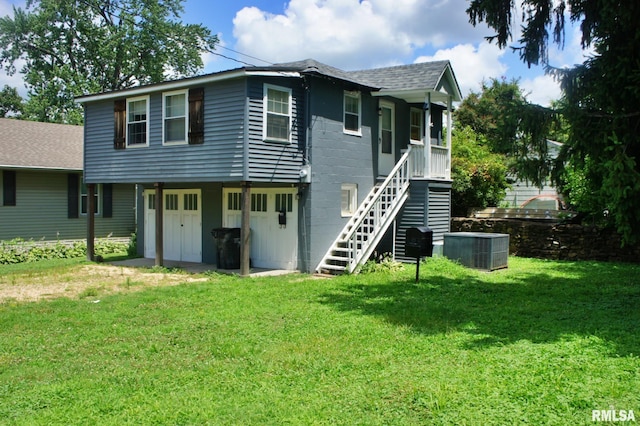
275,161
439,209
336,158
428,205
219,158
41,210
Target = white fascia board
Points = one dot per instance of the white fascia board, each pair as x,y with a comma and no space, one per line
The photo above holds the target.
181,84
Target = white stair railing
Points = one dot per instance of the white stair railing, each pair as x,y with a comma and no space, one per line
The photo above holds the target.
367,226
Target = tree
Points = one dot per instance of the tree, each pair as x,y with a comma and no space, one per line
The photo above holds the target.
10,102
601,97
479,175
511,126
74,47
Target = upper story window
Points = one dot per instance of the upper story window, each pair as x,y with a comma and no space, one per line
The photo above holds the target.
8,187
352,113
277,114
174,117
417,125
138,121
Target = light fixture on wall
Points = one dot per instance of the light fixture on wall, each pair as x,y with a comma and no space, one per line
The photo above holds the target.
379,112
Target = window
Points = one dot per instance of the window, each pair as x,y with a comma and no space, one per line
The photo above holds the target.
174,110
234,201
8,188
277,114
84,200
349,200
171,202
284,202
151,201
417,120
352,113
258,202
137,121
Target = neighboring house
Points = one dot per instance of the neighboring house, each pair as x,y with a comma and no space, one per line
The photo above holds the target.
332,164
41,189
521,191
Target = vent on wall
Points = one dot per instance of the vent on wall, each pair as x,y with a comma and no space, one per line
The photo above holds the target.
477,250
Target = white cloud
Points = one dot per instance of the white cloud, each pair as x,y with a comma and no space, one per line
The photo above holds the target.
350,33
541,90
471,64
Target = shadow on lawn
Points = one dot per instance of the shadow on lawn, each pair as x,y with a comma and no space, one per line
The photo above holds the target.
546,305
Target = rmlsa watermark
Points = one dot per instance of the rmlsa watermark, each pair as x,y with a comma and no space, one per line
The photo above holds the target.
613,415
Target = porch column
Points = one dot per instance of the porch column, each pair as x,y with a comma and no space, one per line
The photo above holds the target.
91,229
449,129
159,225
427,136
245,230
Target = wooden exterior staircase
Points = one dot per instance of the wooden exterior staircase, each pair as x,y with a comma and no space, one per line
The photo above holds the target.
360,236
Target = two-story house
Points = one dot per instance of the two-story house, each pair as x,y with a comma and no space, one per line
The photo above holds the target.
317,166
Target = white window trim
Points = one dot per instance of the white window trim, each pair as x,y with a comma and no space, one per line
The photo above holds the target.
352,188
421,113
128,138
265,113
344,113
186,116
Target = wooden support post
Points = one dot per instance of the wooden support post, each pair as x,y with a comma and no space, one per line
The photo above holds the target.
245,230
91,229
159,225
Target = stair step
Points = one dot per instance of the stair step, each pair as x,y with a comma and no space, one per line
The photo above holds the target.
332,267
338,258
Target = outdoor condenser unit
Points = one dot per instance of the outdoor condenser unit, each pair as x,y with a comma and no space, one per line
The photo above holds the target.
477,250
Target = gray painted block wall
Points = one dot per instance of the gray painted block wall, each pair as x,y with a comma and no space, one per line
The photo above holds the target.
336,158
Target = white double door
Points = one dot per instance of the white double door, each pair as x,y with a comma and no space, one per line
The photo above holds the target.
182,225
274,244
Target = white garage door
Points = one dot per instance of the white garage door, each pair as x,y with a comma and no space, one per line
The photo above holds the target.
182,225
273,223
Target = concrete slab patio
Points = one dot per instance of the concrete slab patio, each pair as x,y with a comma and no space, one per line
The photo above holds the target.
198,268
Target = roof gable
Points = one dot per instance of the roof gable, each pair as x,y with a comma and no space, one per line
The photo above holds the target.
29,144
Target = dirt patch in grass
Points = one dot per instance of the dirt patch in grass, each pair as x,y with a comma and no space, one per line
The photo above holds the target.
86,281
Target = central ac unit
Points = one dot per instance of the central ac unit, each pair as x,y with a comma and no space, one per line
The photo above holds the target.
477,250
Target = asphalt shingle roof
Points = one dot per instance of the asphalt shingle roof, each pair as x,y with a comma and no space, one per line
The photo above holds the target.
424,75
29,144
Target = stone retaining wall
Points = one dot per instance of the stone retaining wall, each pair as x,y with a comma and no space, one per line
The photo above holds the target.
554,241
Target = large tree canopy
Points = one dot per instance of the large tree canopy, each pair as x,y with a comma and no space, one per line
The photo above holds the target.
601,97
72,47
510,126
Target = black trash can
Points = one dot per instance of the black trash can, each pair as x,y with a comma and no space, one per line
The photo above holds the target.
228,245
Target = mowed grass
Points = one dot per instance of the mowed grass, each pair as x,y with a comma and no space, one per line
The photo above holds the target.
538,343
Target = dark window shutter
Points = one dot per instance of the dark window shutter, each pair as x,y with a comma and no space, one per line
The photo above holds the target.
107,200
73,195
196,116
9,188
120,124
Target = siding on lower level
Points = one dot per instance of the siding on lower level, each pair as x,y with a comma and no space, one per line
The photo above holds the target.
429,204
41,210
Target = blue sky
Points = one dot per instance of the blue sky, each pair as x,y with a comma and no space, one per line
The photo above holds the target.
359,34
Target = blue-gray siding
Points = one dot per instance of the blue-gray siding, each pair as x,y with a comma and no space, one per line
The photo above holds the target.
274,161
219,158
41,210
428,205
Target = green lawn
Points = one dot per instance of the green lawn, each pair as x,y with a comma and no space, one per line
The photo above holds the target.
538,343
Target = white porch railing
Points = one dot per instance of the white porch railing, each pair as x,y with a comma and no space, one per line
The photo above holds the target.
439,164
435,163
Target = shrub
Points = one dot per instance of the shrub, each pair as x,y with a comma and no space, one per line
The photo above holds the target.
21,251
